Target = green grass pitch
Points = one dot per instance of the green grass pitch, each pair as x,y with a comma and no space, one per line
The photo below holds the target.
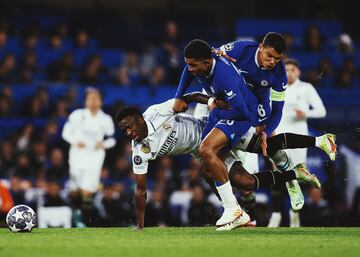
177,242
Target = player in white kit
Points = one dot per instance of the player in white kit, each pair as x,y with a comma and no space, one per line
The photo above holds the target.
90,132
158,131
301,102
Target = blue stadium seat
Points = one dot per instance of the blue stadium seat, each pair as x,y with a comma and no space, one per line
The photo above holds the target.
111,57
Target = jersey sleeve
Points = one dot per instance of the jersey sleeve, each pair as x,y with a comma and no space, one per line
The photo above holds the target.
70,127
109,133
277,97
184,83
140,160
318,109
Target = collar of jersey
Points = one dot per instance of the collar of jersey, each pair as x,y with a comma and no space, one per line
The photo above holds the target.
87,111
150,127
212,69
296,82
256,62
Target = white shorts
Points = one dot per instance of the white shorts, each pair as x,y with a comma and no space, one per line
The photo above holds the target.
85,177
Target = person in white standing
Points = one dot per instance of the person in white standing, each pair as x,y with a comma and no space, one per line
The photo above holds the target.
301,103
90,132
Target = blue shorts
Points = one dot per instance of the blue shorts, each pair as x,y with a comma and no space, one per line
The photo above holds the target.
233,129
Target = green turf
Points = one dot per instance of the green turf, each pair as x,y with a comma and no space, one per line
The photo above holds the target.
167,242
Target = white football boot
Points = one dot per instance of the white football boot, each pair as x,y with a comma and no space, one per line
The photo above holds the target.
242,221
229,215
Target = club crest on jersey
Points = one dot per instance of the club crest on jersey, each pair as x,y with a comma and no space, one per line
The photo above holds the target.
145,149
137,160
228,47
167,127
264,83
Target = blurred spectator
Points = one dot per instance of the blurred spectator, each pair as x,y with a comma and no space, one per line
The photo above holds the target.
17,190
121,76
57,167
3,38
115,208
170,44
25,137
157,76
22,167
55,42
28,69
38,154
8,69
82,39
157,211
130,72
52,196
121,168
62,29
345,44
91,71
6,103
61,70
7,158
31,41
312,39
201,212
344,79
315,212
61,109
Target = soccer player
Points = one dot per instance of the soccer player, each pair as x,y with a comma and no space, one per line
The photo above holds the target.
158,132
220,78
301,102
264,73
90,132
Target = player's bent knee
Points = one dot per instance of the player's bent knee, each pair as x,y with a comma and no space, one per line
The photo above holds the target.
206,152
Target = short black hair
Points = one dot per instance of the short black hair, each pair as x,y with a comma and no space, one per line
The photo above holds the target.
126,112
275,40
197,49
293,62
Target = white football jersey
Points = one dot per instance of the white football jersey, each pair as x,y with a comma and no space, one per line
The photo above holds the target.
300,96
168,134
88,129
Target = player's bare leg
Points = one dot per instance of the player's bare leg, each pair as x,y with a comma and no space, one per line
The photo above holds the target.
211,146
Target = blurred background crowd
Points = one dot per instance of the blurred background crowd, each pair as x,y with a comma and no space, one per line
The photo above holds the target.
50,53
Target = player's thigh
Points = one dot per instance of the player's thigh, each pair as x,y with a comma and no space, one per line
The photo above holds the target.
233,130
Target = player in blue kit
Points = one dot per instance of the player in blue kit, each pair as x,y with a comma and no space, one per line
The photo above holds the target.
222,80
265,74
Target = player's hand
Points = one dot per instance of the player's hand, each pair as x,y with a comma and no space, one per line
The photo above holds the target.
263,143
222,104
300,115
100,145
218,52
80,145
180,105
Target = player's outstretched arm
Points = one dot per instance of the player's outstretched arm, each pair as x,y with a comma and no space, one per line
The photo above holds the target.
201,98
140,199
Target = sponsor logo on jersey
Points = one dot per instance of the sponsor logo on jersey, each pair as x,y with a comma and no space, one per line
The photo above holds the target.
145,149
264,83
169,144
262,119
228,47
167,127
284,86
230,94
137,160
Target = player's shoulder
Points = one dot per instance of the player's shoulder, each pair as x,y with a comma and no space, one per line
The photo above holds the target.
77,113
161,108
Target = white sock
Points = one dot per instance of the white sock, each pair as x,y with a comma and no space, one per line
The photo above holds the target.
227,196
318,141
